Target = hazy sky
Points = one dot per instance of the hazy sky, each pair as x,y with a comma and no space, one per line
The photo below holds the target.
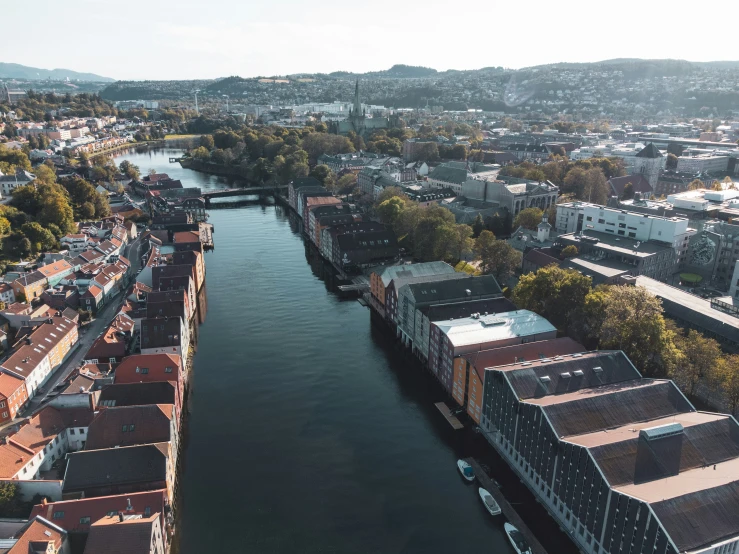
188,39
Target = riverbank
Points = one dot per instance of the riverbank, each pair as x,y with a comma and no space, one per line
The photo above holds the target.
213,168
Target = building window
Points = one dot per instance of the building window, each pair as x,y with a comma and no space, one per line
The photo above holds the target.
125,429
57,515
85,520
71,431
167,370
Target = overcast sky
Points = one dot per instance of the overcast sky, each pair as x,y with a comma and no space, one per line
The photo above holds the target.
189,39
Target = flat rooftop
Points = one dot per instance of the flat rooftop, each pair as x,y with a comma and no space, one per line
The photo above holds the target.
528,352
604,268
630,431
494,327
687,482
619,245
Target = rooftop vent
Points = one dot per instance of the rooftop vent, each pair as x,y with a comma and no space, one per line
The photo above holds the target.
661,431
578,373
565,375
545,379
598,369
577,355
526,363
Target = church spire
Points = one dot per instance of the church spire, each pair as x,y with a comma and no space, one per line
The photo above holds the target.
357,104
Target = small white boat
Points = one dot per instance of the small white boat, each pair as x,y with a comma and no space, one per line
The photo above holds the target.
517,541
490,504
466,470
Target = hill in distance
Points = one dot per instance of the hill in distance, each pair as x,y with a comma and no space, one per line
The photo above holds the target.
17,71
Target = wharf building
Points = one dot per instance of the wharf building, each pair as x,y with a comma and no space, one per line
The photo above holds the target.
623,463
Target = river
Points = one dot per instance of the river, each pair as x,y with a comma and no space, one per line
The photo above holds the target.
309,431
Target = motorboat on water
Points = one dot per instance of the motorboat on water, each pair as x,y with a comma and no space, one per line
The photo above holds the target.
466,470
517,541
490,504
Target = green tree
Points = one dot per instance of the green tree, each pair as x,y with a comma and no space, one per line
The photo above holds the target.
130,170
390,192
225,139
555,293
529,218
501,261
12,159
41,239
628,192
11,504
325,175
346,183
478,226
390,210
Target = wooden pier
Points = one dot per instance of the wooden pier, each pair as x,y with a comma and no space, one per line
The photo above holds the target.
508,511
451,419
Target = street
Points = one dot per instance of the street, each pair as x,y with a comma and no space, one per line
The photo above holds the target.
88,334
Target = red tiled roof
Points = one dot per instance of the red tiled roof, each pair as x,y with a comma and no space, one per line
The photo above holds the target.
9,384
95,508
186,236
129,371
61,267
111,536
110,344
40,531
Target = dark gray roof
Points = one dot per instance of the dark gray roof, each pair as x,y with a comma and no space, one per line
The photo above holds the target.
136,394
701,518
615,366
650,151
449,174
441,291
115,466
301,182
615,405
372,240
441,312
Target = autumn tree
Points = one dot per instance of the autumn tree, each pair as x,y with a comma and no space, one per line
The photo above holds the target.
497,257
390,192
528,218
346,183
569,251
390,210
698,360
41,239
727,374
633,322
325,175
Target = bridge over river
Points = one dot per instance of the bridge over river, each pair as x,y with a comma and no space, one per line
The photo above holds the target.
271,190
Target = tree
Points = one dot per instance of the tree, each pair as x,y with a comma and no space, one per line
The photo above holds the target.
728,377
425,152
498,258
207,142
695,184
201,154
130,170
569,251
45,175
11,504
628,192
484,250
633,322
671,162
225,139
529,218
478,226
325,175
346,183
40,238
390,210
390,192
698,360
716,185
555,293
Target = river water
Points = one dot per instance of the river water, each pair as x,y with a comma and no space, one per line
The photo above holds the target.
309,431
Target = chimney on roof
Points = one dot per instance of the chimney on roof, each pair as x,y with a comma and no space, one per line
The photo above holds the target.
120,516
129,506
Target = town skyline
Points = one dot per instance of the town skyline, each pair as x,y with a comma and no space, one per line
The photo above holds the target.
251,40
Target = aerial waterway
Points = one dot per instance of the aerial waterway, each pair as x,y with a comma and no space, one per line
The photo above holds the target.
309,431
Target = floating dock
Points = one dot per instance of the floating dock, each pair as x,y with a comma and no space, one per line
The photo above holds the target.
508,511
451,419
